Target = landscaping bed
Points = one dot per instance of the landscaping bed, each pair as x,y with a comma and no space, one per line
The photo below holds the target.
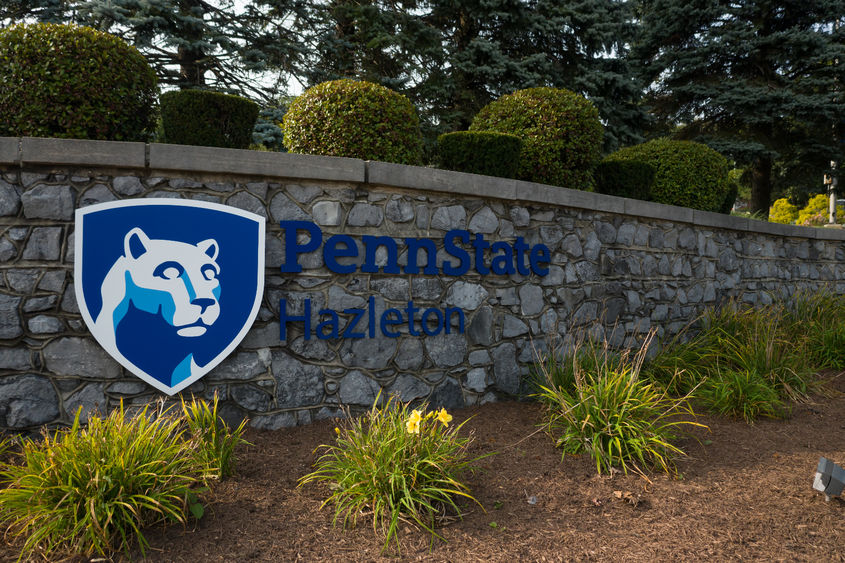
745,493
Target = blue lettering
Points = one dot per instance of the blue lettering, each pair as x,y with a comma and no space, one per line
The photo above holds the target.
353,322
284,319
411,310
502,264
387,322
425,322
450,311
540,255
332,323
292,247
414,245
331,252
480,245
457,252
371,245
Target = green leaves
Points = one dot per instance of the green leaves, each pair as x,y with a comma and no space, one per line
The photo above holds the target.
480,152
73,82
209,119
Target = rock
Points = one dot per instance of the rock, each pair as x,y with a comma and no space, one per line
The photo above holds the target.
399,210
520,216
480,329
477,380
370,353
53,280
410,354
467,296
408,388
247,202
273,421
505,369
45,324
91,399
531,299
312,349
250,397
303,194
327,213
449,218
365,215
448,395
127,388
10,320
297,384
45,243
427,289
240,366
81,357
395,289
14,358
97,193
283,209
513,327
10,199
479,357
551,235
127,185
358,389
606,232
625,234
446,350
27,400
484,221
7,250
48,202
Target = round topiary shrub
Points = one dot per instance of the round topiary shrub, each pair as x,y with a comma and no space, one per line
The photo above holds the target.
686,173
354,119
560,131
624,178
480,152
73,82
783,212
208,119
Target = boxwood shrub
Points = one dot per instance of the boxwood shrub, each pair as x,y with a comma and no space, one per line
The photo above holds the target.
686,173
480,152
354,119
206,118
73,82
624,178
560,131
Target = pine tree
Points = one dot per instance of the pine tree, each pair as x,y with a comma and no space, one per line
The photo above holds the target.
756,80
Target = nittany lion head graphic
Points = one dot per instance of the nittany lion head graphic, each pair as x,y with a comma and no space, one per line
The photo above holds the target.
169,278
149,279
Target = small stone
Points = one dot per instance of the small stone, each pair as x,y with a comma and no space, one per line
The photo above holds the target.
365,215
283,209
358,389
90,400
370,353
53,280
448,395
240,366
477,380
250,398
395,289
7,250
408,388
446,350
10,320
449,218
531,299
606,232
10,199
480,329
520,216
327,213
98,193
399,210
126,388
479,357
80,357
484,221
505,368
14,358
513,327
247,202
297,384
410,354
427,289
551,235
303,194
45,243
27,400
273,421
465,295
44,324
127,185
48,202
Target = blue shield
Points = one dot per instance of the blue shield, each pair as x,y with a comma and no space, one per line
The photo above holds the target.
168,287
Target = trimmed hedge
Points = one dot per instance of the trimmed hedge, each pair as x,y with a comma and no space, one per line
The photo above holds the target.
560,131
624,178
480,152
783,212
686,173
355,119
208,119
74,82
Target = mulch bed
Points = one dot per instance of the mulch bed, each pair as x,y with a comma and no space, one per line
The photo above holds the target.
744,493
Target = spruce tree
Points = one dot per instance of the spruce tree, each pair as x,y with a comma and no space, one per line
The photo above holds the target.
756,80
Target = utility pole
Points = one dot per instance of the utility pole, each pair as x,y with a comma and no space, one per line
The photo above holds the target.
832,180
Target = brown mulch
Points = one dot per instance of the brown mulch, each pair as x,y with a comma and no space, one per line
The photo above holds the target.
744,494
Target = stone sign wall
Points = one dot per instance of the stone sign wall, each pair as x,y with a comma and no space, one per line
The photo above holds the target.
619,267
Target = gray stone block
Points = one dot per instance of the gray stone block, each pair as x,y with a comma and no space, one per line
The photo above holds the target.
327,213
128,185
254,163
45,243
446,350
408,388
247,202
15,358
10,319
48,202
297,384
250,397
27,400
9,150
365,215
430,179
448,218
80,357
410,354
513,327
465,295
282,208
399,210
358,389
448,395
369,353
484,221
90,400
45,324
531,299
82,152
10,199
241,366
506,372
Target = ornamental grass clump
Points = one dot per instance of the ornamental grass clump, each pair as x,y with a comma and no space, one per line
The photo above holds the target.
611,413
397,464
91,490
215,441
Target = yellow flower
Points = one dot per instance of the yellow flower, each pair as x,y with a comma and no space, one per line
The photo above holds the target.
337,430
413,424
444,417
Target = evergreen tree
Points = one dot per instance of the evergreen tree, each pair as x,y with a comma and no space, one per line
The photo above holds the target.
756,80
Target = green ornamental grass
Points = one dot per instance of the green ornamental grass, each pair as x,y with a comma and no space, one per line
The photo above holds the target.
611,413
397,464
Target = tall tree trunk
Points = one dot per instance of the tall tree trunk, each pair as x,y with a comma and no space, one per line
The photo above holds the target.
191,71
761,185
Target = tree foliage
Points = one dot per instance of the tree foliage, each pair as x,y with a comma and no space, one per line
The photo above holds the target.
755,80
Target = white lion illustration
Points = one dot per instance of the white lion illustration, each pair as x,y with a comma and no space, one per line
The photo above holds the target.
175,280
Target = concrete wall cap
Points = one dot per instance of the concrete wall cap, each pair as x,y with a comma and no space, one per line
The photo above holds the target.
9,150
82,152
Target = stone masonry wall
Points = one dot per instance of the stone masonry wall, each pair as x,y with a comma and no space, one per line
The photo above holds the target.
618,266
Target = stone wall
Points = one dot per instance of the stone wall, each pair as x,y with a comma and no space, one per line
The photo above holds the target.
619,266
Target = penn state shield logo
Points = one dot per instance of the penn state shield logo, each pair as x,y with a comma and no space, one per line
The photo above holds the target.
168,287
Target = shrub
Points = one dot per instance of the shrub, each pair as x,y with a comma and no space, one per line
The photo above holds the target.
397,464
817,212
818,320
624,178
354,119
73,82
215,442
208,119
745,394
783,212
480,152
614,415
560,131
87,490
688,174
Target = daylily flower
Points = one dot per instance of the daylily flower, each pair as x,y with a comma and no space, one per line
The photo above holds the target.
413,424
444,417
